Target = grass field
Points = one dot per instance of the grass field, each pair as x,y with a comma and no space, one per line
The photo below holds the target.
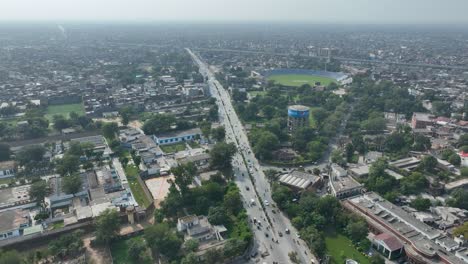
137,190
64,110
341,248
173,147
299,79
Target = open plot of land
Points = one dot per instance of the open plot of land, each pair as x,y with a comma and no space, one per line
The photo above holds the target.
64,110
341,248
137,190
300,79
159,188
173,147
255,93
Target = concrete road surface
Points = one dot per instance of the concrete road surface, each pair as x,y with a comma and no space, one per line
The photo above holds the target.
254,187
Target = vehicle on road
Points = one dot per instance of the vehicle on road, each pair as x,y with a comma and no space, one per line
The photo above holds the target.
247,188
254,254
287,231
280,234
267,203
266,234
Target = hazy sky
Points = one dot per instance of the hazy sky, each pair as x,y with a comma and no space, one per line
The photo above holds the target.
322,11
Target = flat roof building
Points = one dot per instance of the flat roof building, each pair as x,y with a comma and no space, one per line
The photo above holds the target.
299,180
176,137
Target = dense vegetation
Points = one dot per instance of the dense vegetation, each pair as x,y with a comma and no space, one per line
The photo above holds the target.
313,216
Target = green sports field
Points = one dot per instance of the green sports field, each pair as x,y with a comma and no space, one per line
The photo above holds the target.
299,79
64,110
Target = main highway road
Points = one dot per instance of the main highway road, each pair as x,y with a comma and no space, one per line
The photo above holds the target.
272,244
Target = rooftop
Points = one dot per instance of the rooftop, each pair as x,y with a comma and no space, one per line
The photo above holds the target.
12,219
177,134
298,179
7,165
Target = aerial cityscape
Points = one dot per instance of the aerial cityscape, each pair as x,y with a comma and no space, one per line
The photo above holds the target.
184,135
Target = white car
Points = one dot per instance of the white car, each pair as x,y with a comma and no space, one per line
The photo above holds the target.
267,203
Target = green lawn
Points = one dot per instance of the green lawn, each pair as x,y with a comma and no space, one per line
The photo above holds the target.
299,79
64,110
173,147
119,251
137,190
341,248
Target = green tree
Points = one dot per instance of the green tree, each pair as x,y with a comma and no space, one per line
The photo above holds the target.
376,259
414,183
72,184
461,230
218,133
60,122
109,130
163,240
421,204
107,226
214,256
234,247
464,172
39,190
125,114
217,215
136,249
459,199
454,159
232,201
421,142
463,140
68,165
190,258
10,257
429,163
357,231
5,152
191,245
184,175
33,153
68,245
264,144
221,155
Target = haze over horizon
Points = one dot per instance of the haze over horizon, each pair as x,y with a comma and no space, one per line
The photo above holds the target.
313,11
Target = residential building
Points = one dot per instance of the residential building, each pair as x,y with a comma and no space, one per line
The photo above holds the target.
199,228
